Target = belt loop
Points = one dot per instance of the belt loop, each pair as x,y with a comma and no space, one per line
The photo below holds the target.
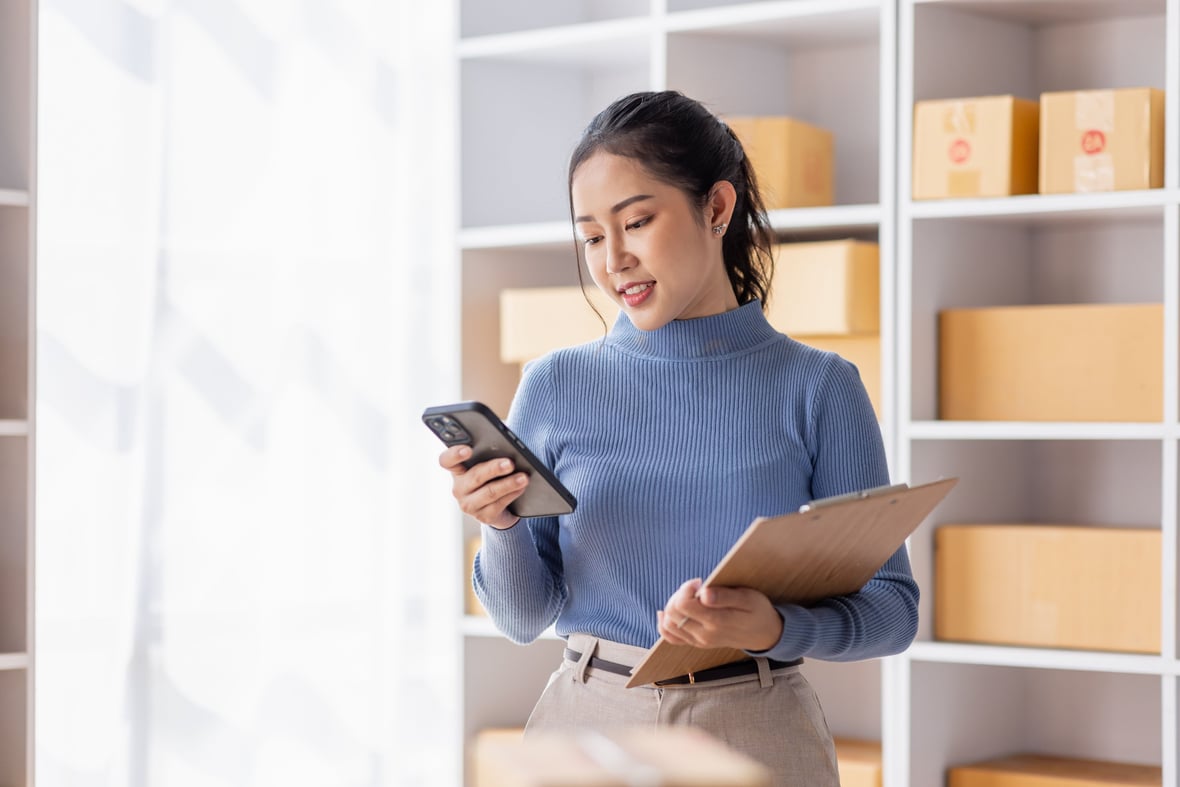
583,661
764,677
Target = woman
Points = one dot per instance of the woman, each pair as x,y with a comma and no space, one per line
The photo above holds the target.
689,420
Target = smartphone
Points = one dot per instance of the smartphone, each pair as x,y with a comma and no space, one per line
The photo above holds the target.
474,424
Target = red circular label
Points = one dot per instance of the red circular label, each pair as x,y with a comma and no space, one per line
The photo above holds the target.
960,151
1093,141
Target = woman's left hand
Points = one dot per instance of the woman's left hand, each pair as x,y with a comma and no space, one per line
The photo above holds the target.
740,618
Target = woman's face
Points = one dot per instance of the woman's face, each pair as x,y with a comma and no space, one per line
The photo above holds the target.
647,246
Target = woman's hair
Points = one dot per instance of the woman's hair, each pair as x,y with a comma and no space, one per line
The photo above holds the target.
680,142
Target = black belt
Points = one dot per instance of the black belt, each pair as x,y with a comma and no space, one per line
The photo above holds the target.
733,669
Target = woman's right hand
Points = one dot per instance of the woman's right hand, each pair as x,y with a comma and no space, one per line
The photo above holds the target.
485,490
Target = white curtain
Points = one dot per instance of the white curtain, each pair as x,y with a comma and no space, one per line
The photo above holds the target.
246,567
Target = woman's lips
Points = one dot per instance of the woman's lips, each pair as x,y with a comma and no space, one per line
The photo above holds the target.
638,293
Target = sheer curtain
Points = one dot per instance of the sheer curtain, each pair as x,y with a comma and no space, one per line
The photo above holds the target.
246,296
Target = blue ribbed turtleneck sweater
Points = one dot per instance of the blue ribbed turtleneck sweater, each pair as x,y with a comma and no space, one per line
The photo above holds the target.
673,441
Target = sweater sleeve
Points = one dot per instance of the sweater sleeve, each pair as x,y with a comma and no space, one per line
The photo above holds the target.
518,573
848,455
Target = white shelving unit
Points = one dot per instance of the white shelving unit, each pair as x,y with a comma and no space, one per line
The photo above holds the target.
952,702
531,78
18,25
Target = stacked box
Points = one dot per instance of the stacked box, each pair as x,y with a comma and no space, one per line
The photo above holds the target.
1054,586
472,605
975,147
859,762
1089,362
535,320
1102,140
1034,770
830,288
793,161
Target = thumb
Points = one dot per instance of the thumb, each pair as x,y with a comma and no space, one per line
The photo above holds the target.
724,597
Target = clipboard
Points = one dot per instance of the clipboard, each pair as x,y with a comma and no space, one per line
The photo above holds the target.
830,547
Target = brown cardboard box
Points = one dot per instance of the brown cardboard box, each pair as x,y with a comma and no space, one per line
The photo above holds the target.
859,763
473,607
1034,770
669,756
793,161
1091,362
1102,140
535,320
975,147
1056,586
864,352
824,289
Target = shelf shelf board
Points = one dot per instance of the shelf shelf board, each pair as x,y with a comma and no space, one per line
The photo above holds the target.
14,198
797,23
559,236
481,626
1035,430
14,661
555,234
607,44
827,220
1039,658
1054,11
1049,208
14,428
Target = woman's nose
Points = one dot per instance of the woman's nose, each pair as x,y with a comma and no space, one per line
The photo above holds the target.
618,258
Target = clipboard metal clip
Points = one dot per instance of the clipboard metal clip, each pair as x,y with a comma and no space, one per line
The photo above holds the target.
861,494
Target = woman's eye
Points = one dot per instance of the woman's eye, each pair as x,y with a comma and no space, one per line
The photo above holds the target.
637,224
592,241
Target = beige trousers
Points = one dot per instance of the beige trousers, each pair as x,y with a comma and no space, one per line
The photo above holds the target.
772,716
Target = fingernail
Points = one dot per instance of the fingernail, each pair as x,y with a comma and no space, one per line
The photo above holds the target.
505,464
464,452
520,479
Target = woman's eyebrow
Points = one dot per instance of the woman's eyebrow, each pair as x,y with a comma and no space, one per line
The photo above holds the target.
618,206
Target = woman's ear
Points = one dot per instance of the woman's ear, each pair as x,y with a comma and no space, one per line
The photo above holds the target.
720,204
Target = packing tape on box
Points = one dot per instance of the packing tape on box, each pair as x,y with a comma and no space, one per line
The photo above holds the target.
958,120
1093,165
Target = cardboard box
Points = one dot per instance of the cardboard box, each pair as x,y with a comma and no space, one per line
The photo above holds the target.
975,147
1092,362
472,605
793,161
535,320
1102,140
825,289
859,763
1055,586
668,756
1034,770
864,352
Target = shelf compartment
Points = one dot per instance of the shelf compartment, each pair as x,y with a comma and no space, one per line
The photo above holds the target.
14,727
964,264
478,18
966,713
14,544
1046,46
16,80
850,693
520,124
14,314
1109,482
483,375
713,66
